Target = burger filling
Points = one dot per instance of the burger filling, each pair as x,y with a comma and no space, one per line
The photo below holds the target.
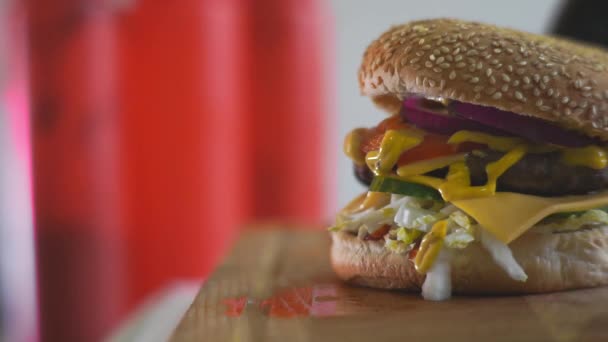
424,166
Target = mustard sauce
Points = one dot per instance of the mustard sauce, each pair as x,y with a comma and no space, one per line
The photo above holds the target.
393,144
422,167
456,185
430,247
352,145
591,156
502,144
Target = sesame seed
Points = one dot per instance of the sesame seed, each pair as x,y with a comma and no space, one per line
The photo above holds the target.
506,78
515,83
545,108
546,79
536,78
421,41
445,49
526,79
414,60
456,51
419,53
519,96
488,72
504,88
567,111
583,104
565,99
587,88
452,75
477,88
444,65
460,65
497,95
509,68
578,84
536,92
432,83
432,57
490,90
426,47
437,70
428,64
472,52
578,111
539,103
440,60
593,110
492,80
474,80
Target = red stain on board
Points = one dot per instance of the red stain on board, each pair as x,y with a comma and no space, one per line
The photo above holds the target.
313,301
235,306
289,303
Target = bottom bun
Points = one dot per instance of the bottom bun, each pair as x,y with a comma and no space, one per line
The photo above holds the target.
553,262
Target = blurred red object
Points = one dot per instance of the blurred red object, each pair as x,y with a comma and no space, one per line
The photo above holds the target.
290,114
73,116
183,156
137,150
158,128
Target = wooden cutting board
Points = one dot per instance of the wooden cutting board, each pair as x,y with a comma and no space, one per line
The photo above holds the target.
278,285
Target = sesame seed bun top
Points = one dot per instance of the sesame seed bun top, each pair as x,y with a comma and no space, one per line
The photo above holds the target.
545,77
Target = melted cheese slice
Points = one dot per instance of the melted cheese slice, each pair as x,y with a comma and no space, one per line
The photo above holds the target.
508,215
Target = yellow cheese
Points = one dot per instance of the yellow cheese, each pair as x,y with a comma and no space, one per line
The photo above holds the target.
508,215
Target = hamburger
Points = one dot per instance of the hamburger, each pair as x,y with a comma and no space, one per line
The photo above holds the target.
490,174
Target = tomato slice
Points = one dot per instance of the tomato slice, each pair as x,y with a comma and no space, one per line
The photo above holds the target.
433,145
379,233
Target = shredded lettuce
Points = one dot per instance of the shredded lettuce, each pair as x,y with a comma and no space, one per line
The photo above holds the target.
502,255
438,283
460,238
411,215
396,246
407,236
575,221
371,219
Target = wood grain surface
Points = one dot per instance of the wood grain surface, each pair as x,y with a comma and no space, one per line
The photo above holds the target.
278,286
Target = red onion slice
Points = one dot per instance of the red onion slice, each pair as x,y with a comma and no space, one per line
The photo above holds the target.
433,121
534,129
